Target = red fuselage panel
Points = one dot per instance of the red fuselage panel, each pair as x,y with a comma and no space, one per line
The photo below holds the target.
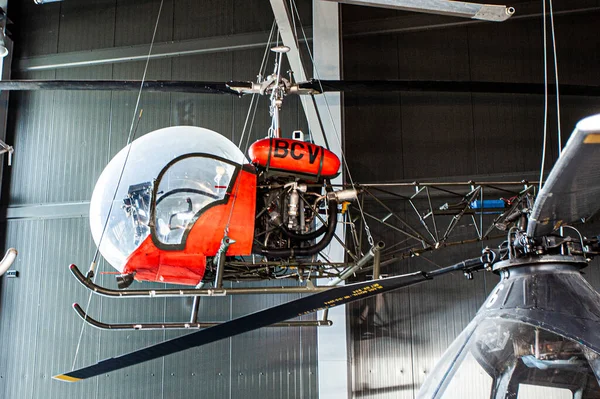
187,266
294,157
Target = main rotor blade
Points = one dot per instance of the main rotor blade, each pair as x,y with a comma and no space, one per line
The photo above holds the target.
384,86
486,12
120,85
327,299
572,190
310,87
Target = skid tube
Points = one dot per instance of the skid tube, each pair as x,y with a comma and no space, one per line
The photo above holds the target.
186,292
185,326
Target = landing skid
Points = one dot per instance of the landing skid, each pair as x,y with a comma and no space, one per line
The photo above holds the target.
186,326
190,292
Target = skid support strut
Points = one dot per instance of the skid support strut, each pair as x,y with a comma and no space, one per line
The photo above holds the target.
220,260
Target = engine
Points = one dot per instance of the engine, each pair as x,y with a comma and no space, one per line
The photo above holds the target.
295,215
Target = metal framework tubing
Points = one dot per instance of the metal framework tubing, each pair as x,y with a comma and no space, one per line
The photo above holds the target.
195,307
187,292
377,263
392,213
185,326
363,261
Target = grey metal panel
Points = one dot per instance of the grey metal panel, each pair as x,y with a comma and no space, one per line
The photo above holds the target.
57,325
38,28
135,21
363,60
36,315
19,302
192,20
440,309
437,134
421,55
155,107
146,379
382,346
252,16
379,155
80,138
212,112
199,372
86,25
511,52
271,362
508,127
581,31
31,120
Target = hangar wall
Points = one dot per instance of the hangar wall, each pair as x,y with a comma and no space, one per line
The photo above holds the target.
398,337
63,141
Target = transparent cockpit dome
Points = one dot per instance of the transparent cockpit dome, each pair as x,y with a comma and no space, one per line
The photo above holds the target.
129,205
502,358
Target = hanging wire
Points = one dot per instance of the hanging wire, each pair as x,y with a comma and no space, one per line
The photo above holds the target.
336,132
545,95
555,57
254,100
556,78
251,109
130,138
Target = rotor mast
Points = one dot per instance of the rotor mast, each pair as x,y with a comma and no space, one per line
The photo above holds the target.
277,93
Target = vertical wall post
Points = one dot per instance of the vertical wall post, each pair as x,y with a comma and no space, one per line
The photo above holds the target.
334,365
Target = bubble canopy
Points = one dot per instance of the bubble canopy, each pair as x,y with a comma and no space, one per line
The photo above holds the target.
145,158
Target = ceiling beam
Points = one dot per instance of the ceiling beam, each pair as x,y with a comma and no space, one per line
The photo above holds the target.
484,12
393,25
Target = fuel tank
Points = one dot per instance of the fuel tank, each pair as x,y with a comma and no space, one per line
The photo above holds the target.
294,157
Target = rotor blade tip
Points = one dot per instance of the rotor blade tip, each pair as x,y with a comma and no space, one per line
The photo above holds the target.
589,124
66,378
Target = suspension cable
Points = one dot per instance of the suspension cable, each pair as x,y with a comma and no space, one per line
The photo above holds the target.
253,101
130,139
556,78
545,95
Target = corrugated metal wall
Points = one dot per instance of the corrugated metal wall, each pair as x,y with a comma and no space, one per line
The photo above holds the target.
398,337
63,141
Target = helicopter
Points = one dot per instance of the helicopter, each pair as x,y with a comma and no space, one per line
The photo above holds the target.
181,214
540,322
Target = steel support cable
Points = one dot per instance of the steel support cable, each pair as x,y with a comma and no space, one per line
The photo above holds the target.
130,138
545,93
261,71
237,190
556,78
336,132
